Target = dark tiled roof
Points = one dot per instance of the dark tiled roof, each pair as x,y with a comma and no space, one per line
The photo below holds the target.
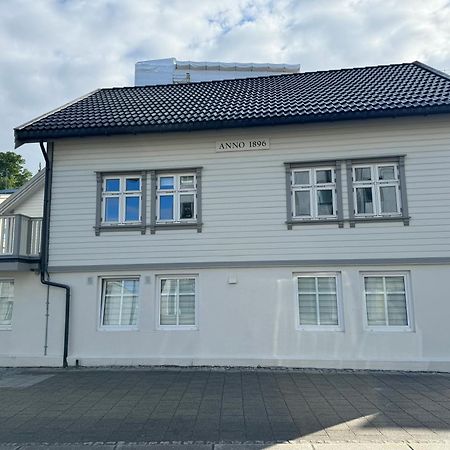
379,91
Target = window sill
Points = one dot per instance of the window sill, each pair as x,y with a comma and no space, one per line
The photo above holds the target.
389,329
333,221
5,328
320,328
374,219
118,328
177,328
176,225
116,227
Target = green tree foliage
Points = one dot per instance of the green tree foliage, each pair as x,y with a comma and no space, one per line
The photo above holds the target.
12,171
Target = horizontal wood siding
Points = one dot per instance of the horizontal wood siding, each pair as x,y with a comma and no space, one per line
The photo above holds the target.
32,206
244,206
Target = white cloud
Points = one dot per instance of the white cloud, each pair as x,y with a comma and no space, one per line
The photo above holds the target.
52,51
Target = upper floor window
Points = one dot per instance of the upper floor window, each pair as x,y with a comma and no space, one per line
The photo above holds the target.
376,190
6,303
176,198
122,199
313,193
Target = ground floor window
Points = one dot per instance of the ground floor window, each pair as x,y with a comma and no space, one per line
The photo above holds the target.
119,302
387,300
318,301
6,303
177,302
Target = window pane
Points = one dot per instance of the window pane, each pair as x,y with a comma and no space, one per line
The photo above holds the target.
397,312
112,185
373,284
7,289
306,284
111,310
169,286
325,202
132,208
363,174
302,203
376,314
307,309
166,207
395,284
166,183
133,184
130,287
328,309
111,209
6,309
187,182
187,310
301,177
168,310
364,202
187,286
324,176
388,198
120,302
129,311
187,206
386,173
326,284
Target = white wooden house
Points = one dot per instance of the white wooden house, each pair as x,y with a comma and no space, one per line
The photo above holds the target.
296,220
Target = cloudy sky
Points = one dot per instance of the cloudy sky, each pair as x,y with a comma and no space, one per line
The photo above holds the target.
52,51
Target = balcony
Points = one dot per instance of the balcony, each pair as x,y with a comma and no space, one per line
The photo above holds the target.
20,242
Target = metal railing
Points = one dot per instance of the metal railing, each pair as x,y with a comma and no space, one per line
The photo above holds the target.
20,235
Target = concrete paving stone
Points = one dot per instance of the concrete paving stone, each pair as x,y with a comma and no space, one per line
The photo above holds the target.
430,446
361,446
302,446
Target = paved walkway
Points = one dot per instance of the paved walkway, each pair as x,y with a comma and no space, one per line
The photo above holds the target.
209,408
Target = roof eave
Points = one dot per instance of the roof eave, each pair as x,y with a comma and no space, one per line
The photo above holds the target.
23,136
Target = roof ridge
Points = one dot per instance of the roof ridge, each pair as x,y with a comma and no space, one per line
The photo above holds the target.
432,70
281,75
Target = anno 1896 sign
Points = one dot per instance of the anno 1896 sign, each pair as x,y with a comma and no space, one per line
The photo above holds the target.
237,145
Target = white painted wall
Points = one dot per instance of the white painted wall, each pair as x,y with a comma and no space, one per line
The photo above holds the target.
23,344
244,205
33,206
253,323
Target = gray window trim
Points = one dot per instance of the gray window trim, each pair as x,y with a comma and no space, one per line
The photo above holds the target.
400,160
337,164
198,224
99,228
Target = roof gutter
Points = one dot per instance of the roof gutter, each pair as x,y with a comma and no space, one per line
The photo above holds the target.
45,277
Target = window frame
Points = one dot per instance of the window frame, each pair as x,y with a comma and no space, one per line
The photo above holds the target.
176,192
339,301
408,300
401,190
313,166
8,327
102,291
176,327
100,224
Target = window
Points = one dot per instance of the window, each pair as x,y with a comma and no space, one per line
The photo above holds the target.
313,193
376,190
176,198
6,303
317,298
119,302
122,198
177,302
386,299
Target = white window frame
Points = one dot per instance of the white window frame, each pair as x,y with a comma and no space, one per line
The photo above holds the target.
161,277
409,310
122,194
101,296
375,184
313,187
176,192
318,327
8,327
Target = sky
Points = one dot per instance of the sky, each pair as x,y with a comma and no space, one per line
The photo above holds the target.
52,51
